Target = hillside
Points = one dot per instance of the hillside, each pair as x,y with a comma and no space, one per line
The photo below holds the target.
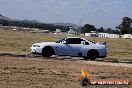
4,18
66,24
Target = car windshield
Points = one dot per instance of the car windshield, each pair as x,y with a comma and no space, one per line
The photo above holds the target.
59,41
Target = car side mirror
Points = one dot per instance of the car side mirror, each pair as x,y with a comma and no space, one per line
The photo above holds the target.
64,42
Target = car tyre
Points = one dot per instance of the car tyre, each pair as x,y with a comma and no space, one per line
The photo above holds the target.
47,52
92,55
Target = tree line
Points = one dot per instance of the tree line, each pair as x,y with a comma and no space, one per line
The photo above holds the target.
34,24
124,28
87,28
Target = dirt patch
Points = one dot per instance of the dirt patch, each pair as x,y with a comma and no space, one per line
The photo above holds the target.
54,73
120,64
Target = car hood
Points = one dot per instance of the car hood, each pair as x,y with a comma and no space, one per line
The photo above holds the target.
44,43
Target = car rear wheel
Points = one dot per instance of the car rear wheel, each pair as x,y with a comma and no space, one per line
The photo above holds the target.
47,52
92,54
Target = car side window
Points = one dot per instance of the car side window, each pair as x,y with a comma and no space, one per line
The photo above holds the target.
73,41
84,42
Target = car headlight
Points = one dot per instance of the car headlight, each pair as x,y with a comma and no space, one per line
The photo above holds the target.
36,46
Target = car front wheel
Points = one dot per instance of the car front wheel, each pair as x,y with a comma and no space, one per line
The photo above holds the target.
47,52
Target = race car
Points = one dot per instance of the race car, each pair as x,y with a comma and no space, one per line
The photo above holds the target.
71,46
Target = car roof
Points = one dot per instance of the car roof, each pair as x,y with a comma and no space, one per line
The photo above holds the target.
72,37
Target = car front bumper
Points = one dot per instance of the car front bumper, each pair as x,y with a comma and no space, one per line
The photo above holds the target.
35,50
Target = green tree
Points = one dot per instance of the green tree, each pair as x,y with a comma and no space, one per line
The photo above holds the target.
101,29
88,28
125,26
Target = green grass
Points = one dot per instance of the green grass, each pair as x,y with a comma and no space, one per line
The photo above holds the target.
20,42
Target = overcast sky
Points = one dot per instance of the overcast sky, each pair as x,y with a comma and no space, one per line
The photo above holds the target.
106,13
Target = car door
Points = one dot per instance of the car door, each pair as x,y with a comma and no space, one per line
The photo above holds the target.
71,47
75,46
